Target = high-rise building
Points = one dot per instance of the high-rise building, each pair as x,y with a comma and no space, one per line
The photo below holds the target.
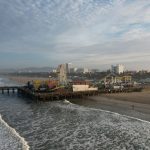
86,70
83,70
62,74
67,67
73,70
118,69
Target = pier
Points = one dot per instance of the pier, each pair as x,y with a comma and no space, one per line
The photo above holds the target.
45,96
8,89
52,96
58,95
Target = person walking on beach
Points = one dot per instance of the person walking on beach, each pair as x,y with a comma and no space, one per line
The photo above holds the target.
132,107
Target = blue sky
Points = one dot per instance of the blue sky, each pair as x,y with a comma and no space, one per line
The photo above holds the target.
90,33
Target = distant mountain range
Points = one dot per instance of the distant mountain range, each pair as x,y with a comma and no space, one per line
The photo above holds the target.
29,70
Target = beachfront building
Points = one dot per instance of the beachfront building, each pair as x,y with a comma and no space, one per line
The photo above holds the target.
118,69
118,79
83,70
73,70
80,86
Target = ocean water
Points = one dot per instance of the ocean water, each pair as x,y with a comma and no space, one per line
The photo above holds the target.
62,125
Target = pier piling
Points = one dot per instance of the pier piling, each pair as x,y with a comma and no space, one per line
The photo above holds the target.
2,91
50,96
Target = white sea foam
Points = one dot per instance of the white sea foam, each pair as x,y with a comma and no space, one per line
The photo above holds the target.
66,101
99,129
125,116
10,139
83,108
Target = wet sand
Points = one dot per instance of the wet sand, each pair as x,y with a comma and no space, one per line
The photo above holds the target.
136,104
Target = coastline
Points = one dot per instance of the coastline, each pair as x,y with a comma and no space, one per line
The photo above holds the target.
82,123
10,138
135,104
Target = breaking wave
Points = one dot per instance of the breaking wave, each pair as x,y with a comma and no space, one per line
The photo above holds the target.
10,139
67,101
64,125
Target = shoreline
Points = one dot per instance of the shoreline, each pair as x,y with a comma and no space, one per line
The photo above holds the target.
10,138
123,103
134,104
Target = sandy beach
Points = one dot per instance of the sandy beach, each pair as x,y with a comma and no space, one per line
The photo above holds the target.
135,104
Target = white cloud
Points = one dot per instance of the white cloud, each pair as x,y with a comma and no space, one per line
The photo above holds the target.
88,29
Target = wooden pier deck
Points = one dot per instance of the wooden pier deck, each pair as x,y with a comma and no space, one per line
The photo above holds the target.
51,96
57,95
9,89
45,96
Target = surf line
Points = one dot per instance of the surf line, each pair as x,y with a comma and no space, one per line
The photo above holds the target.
67,101
111,112
129,117
13,131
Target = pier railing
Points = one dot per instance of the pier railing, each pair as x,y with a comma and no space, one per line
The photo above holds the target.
9,89
59,95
